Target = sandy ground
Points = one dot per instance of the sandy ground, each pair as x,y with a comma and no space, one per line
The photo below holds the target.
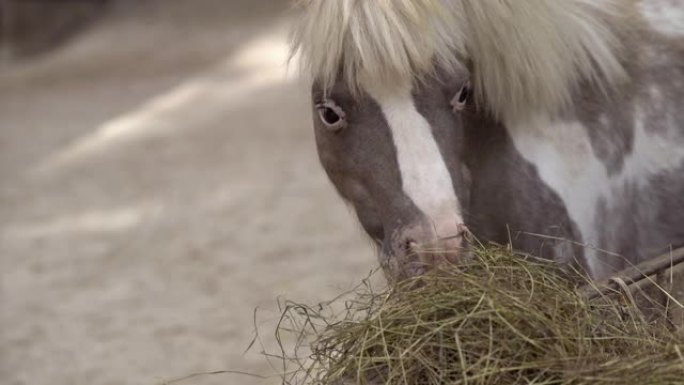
158,183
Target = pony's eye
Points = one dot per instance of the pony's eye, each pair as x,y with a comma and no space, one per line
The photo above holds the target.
459,102
331,115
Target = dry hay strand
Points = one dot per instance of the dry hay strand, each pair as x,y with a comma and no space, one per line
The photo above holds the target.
498,318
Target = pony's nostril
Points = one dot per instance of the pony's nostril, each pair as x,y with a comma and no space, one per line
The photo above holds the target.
410,246
461,231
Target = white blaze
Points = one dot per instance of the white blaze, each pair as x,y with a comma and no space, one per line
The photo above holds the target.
425,177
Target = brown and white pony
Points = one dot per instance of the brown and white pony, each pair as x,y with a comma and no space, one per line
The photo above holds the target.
549,124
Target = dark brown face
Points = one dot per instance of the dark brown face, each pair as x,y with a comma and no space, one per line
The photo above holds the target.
395,156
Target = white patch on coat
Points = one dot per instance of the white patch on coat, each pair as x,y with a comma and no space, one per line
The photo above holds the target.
664,16
425,177
653,153
562,153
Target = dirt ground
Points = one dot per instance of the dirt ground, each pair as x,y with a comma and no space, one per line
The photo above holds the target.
158,183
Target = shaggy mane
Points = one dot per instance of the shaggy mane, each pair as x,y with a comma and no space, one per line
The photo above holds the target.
527,56
376,42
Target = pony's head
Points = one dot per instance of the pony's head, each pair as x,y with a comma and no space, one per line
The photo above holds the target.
394,156
392,80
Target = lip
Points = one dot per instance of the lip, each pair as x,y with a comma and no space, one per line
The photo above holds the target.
396,271
402,267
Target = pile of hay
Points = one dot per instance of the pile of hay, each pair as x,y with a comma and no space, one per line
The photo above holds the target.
498,319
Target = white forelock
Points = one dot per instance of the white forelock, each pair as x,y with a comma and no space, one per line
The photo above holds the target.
527,56
375,41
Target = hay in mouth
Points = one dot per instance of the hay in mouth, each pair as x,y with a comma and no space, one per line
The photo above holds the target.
496,319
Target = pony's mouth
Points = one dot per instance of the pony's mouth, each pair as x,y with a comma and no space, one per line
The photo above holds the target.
422,261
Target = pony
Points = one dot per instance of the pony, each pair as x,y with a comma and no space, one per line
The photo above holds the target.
554,126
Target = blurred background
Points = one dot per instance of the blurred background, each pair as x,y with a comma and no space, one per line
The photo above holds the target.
158,182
